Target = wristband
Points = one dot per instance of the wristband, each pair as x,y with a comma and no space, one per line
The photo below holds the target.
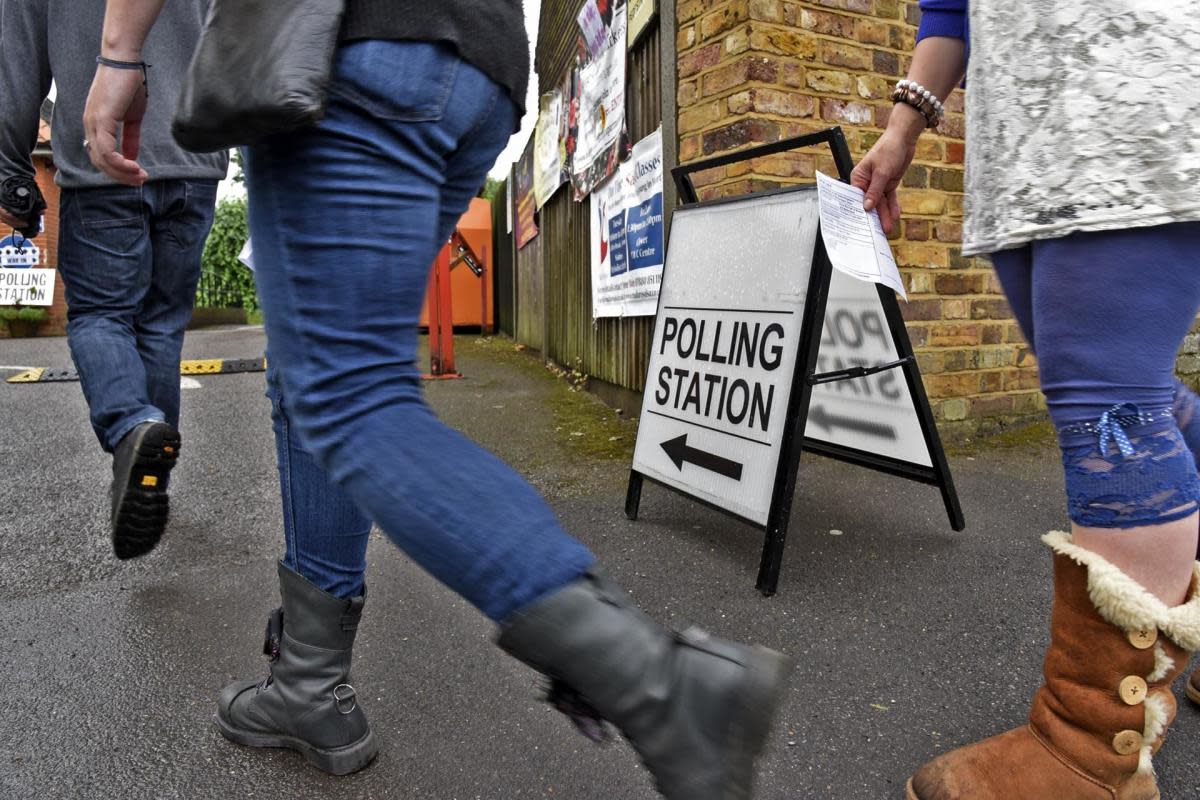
118,64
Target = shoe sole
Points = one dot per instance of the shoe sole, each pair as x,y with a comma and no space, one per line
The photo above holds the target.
141,515
764,687
911,794
335,761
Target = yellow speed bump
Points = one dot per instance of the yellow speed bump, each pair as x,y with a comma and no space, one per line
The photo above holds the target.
200,366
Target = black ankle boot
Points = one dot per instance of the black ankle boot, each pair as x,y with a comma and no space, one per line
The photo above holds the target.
696,708
142,466
307,703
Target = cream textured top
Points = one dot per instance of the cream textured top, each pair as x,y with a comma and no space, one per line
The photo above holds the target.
1081,116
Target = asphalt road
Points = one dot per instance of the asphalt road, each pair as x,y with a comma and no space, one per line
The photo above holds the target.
909,638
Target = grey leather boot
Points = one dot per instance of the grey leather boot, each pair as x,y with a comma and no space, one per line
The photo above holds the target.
696,708
307,703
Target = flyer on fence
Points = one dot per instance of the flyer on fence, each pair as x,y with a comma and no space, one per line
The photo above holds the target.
601,114
547,148
627,235
525,224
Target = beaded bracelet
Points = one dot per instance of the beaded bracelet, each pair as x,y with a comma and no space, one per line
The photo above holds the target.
914,94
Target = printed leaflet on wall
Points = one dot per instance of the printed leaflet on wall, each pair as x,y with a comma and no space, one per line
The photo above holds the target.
601,110
547,148
627,235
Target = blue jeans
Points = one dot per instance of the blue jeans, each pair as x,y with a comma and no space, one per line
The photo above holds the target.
325,534
130,260
346,218
1106,312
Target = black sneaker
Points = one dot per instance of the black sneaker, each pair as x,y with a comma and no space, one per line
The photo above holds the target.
141,470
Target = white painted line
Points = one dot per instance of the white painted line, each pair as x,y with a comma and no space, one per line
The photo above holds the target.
19,369
188,383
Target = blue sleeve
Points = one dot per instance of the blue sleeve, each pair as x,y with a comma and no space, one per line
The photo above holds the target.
943,18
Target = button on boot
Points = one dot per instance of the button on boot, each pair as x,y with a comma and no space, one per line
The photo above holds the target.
1106,702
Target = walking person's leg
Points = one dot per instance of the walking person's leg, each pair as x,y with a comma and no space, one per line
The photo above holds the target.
310,638
1109,311
181,218
341,307
106,261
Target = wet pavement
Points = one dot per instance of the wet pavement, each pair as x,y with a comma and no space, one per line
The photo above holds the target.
909,638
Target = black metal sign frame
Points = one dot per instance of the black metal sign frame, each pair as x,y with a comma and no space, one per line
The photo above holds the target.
805,378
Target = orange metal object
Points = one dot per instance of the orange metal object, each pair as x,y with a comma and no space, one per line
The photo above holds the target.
441,327
473,294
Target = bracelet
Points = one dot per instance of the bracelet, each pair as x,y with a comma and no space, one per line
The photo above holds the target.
138,65
914,94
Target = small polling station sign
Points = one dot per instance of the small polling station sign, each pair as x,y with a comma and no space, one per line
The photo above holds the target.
762,350
22,280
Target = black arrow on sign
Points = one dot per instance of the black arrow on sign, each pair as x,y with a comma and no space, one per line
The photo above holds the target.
679,452
829,421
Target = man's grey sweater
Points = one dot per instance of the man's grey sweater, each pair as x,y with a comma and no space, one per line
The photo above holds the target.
44,40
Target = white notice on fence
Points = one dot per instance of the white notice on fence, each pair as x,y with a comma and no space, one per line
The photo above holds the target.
853,237
602,96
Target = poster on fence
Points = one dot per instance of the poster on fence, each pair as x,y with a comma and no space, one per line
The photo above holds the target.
548,148
601,115
525,224
627,235
592,25
641,12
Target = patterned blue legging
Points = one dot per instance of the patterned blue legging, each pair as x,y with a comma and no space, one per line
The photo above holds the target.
1105,313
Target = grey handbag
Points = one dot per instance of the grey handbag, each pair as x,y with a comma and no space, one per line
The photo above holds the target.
261,68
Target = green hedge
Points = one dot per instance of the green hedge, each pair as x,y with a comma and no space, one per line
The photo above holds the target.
226,282
23,313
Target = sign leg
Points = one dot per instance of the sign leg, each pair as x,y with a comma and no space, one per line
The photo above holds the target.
633,495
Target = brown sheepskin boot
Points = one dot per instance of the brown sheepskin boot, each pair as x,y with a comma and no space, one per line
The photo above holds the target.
1106,702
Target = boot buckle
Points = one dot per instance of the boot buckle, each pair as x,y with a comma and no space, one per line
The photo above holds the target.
344,693
274,635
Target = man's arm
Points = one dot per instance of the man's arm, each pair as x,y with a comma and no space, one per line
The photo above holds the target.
117,99
24,84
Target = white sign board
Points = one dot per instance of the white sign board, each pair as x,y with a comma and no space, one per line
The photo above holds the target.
640,14
627,235
876,413
724,350
26,286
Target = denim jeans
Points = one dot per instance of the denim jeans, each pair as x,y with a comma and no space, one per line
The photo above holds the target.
130,260
325,533
346,218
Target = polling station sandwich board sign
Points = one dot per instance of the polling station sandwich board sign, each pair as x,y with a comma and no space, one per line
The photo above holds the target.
724,351
761,351
875,413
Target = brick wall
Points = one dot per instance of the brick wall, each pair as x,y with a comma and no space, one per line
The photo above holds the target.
759,70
